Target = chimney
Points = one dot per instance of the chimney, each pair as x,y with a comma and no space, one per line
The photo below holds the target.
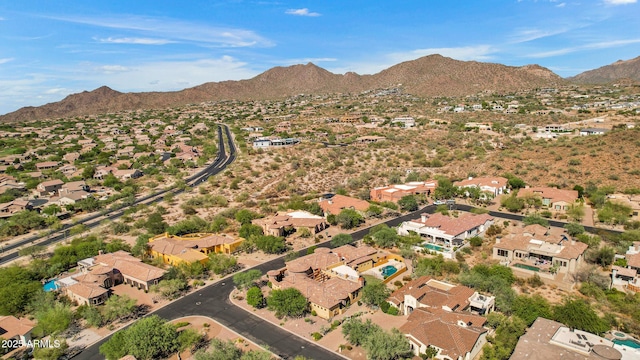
100,252
614,272
498,238
423,217
470,177
330,201
573,242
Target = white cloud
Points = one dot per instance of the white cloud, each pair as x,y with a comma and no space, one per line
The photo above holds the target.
135,40
5,60
592,46
561,5
174,30
526,35
620,2
110,69
478,53
56,91
301,12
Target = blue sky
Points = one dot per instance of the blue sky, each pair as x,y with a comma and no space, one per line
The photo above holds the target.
50,49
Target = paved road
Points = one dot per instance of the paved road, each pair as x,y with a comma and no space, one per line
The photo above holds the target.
213,301
219,164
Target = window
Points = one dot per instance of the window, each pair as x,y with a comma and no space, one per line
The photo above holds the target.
503,253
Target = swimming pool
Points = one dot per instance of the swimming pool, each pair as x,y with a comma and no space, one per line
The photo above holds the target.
632,343
432,247
50,285
388,271
526,267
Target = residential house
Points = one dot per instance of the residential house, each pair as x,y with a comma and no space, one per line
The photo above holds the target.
557,200
47,165
126,152
330,279
548,339
454,335
493,185
111,269
13,328
50,187
369,139
593,131
68,170
102,171
394,193
286,223
536,249
447,230
337,203
426,292
9,209
406,121
191,248
71,157
631,201
127,174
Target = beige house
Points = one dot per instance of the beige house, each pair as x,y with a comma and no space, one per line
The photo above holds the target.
283,224
12,328
394,193
537,249
454,335
556,200
426,292
338,202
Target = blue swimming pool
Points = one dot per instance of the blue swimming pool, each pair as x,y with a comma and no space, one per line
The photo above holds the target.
632,343
50,285
432,247
388,271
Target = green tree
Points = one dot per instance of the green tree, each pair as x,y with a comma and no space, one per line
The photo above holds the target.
374,292
118,307
220,350
53,352
535,219
270,244
245,216
222,264
18,287
33,251
151,338
255,297
576,212
529,308
387,346
408,203
246,279
574,229
357,332
445,189
385,238
155,224
288,302
512,203
170,288
341,239
577,314
603,256
349,219
248,230
53,320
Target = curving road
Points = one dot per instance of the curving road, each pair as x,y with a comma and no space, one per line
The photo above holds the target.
223,159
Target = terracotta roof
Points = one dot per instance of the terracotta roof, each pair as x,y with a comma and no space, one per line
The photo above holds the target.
443,330
496,182
87,290
633,260
354,255
555,195
11,326
130,266
326,294
339,202
321,258
451,225
546,245
432,293
624,271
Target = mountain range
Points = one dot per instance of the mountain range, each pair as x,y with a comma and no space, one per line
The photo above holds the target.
432,75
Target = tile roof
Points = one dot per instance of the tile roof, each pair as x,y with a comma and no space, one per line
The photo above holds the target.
530,239
555,195
130,266
11,326
451,225
453,332
496,182
435,294
339,202
326,294
87,290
